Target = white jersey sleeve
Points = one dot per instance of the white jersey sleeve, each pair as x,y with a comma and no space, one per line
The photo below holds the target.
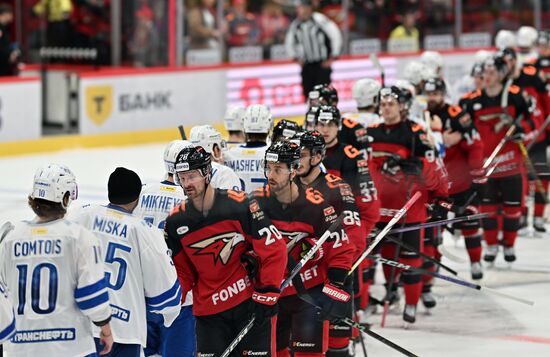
225,178
365,119
128,254
7,317
248,164
56,283
161,284
157,201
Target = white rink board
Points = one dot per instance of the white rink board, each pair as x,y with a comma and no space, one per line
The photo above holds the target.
20,107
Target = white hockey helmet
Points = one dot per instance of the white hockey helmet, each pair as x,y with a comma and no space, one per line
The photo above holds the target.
52,182
257,119
206,136
432,60
481,55
415,72
504,39
526,36
171,153
233,118
365,92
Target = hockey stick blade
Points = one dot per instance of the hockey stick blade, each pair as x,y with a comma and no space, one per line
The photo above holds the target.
285,283
445,253
450,279
386,229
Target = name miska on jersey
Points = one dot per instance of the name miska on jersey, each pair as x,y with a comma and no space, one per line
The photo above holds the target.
107,226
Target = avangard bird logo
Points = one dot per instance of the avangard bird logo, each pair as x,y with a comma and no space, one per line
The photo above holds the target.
221,247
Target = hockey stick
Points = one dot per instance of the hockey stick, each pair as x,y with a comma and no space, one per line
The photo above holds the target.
285,283
426,257
378,66
442,222
451,279
182,132
531,168
498,148
539,133
386,229
5,229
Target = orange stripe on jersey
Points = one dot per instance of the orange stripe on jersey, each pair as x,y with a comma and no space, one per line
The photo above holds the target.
349,123
332,180
416,127
454,110
514,89
180,208
351,152
530,70
238,196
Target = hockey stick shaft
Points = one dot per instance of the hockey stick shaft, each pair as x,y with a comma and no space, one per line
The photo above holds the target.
386,229
499,147
376,336
442,222
378,66
450,279
182,132
531,168
285,283
427,257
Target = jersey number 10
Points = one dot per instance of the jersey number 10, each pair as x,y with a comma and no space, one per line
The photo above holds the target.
36,284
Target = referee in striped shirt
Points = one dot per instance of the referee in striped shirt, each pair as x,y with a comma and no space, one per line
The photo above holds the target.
314,41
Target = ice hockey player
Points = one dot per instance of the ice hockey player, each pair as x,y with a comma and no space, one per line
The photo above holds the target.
403,163
463,161
233,123
207,235
543,48
285,129
471,81
247,159
156,201
55,276
526,37
7,317
139,271
493,112
433,61
534,88
211,140
365,93
302,215
357,226
350,131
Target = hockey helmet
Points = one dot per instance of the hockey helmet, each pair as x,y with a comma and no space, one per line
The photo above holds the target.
284,151
233,119
432,60
53,182
207,136
526,36
505,38
365,92
285,129
193,158
171,153
327,114
314,141
435,84
257,119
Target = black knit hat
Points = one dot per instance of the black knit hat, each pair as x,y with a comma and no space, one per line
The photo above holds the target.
124,186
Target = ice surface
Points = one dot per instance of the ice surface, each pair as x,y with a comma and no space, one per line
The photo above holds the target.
465,322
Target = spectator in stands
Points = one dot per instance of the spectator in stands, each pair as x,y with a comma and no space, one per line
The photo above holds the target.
242,27
407,29
57,13
145,39
314,41
9,55
373,18
203,32
91,21
273,24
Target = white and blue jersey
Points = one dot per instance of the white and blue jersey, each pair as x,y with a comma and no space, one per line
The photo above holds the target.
139,271
57,286
7,317
247,161
225,178
157,200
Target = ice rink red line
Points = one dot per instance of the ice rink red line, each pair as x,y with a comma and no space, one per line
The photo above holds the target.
532,339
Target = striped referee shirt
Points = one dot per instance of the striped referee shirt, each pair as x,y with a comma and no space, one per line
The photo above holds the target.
314,40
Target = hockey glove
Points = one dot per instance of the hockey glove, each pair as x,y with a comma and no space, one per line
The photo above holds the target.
478,176
264,304
390,167
411,166
519,133
251,263
335,301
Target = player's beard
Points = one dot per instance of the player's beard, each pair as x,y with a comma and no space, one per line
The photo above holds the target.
193,192
433,105
277,187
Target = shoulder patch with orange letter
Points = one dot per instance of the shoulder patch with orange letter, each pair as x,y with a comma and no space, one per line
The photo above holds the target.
314,196
238,196
351,151
349,123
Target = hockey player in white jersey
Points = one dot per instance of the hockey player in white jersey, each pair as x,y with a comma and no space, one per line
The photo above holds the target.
55,276
211,140
7,317
155,204
247,160
233,122
139,270
365,93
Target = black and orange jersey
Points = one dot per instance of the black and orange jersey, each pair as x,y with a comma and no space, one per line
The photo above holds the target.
301,222
206,249
353,133
404,141
465,156
492,121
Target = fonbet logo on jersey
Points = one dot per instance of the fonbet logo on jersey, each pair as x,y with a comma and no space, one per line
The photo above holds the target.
99,103
220,246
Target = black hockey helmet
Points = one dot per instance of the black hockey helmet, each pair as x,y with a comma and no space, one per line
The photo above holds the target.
435,84
284,151
393,92
327,114
508,53
309,122
194,158
312,140
285,129
477,70
328,94
498,62
543,38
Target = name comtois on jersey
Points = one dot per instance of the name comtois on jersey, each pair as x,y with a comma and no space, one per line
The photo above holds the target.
221,246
